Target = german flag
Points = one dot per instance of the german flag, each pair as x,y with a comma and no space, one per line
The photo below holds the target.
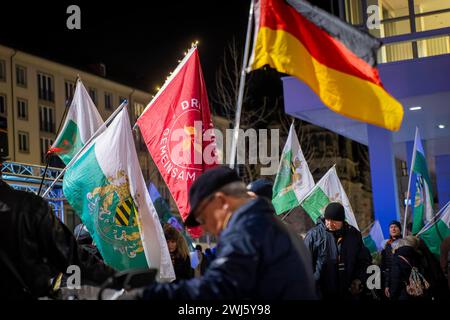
337,61
126,213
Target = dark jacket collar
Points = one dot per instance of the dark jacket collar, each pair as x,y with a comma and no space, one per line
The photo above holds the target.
258,205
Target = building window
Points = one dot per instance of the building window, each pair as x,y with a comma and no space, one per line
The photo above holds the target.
46,119
404,169
403,18
46,143
21,76
2,105
45,87
353,12
70,89
2,70
432,14
394,18
24,142
22,109
93,95
108,100
138,109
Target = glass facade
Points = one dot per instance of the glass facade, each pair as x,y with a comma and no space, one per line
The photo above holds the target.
403,18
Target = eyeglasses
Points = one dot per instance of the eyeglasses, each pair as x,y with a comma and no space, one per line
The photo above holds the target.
199,219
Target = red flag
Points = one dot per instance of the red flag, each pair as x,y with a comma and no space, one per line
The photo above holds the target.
177,129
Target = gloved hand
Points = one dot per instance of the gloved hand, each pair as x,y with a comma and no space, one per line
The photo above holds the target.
356,287
134,294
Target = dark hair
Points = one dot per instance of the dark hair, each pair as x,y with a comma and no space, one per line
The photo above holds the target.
397,223
199,248
173,234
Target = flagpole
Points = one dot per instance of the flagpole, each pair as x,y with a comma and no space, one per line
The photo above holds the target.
48,155
169,79
409,182
368,227
96,133
241,89
432,223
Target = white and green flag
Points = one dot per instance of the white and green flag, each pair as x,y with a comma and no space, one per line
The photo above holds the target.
106,188
423,204
328,189
374,240
293,180
82,121
437,230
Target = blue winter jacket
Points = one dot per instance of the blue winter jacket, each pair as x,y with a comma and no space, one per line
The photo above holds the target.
257,258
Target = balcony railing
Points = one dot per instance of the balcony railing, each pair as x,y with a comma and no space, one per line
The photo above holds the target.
415,45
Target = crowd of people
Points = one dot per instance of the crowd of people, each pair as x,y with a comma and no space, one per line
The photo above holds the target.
258,256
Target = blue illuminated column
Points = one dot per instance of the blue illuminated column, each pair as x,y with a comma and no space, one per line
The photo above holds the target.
443,178
383,175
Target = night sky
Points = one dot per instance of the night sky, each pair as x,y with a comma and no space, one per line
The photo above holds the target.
140,42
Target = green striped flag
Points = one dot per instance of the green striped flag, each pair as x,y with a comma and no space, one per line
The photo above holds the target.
106,188
328,189
293,180
82,121
423,204
437,230
374,240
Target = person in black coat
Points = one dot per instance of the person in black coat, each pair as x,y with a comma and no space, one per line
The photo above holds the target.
36,247
179,253
395,233
445,260
405,257
432,272
200,269
257,256
261,188
339,257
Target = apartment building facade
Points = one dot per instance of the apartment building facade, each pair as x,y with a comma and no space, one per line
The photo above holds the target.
34,93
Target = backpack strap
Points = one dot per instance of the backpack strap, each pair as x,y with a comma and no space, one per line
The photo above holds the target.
406,260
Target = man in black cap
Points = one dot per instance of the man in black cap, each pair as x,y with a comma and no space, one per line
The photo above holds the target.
36,247
339,257
395,233
257,257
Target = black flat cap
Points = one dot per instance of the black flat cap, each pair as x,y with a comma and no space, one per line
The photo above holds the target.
262,188
207,184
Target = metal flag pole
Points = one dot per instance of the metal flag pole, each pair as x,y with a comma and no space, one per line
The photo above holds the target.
48,155
169,79
409,182
96,133
241,89
368,227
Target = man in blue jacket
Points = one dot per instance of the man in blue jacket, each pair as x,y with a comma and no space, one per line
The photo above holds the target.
257,256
